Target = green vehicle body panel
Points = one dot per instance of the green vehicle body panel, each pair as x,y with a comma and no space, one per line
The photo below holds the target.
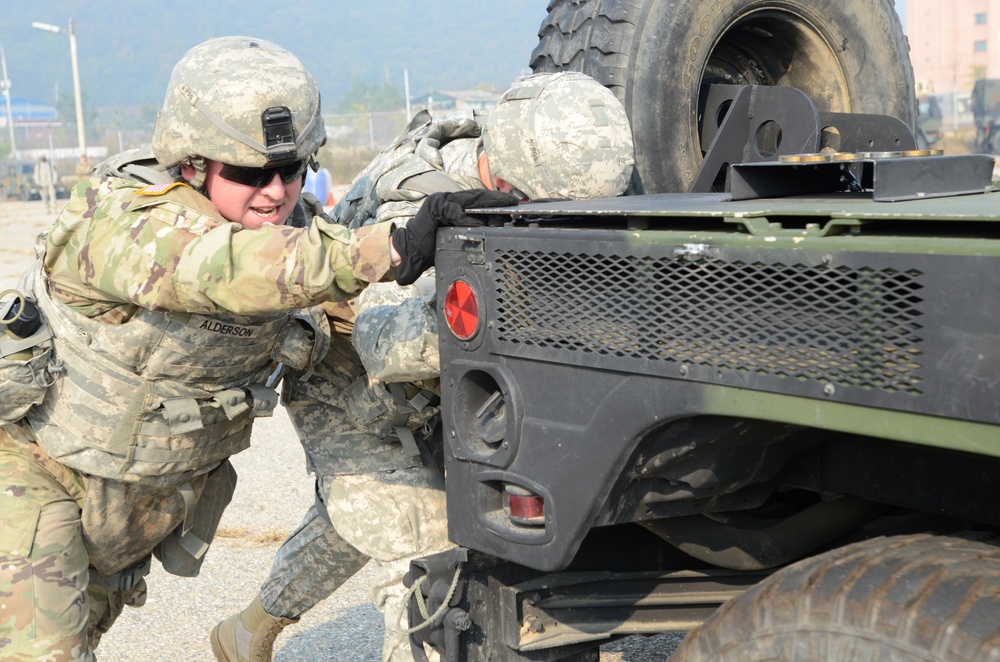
936,431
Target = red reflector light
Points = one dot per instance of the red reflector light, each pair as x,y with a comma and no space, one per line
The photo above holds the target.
461,310
526,507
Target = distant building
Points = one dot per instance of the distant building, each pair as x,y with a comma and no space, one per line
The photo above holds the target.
28,113
448,100
953,44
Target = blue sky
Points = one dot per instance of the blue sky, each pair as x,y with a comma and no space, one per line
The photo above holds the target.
442,44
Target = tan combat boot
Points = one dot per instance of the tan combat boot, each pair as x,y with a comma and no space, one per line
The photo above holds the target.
249,635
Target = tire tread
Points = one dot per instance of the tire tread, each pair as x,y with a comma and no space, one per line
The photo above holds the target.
590,36
920,596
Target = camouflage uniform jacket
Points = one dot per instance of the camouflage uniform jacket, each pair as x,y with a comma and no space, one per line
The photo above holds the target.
167,320
115,248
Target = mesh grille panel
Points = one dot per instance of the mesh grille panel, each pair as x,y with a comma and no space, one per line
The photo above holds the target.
847,326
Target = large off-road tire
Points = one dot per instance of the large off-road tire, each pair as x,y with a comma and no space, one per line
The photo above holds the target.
912,598
847,55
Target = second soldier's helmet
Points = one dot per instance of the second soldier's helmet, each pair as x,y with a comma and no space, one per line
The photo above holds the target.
241,101
560,135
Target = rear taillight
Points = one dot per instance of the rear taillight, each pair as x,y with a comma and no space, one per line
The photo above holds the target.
461,310
524,506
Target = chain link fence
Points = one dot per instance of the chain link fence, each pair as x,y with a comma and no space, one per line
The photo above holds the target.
353,139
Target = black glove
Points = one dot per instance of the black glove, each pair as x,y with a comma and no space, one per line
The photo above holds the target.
313,207
415,240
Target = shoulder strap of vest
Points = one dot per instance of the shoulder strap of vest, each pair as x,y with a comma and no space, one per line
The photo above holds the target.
138,164
433,181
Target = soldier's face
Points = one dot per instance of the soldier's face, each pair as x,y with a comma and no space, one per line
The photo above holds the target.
504,186
252,206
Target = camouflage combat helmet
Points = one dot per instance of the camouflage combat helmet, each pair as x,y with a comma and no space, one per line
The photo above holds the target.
560,135
241,101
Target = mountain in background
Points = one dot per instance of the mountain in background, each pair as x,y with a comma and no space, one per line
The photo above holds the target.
126,50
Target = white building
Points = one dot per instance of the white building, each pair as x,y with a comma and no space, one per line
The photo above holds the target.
953,44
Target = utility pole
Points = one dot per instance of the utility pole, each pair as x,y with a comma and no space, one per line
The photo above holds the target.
406,91
6,92
55,29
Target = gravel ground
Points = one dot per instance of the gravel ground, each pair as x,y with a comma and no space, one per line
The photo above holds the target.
273,493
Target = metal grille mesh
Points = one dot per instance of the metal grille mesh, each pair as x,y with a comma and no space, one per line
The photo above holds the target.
846,326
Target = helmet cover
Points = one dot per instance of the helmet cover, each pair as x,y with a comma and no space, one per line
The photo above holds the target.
560,135
241,101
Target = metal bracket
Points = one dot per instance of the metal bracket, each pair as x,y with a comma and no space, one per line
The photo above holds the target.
569,608
890,179
752,124
760,226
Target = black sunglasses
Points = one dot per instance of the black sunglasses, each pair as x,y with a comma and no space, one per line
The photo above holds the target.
258,177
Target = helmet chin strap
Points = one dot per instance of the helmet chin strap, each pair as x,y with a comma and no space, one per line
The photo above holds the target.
483,164
200,166
490,180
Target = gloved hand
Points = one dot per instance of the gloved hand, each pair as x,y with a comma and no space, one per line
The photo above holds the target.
441,132
415,240
314,207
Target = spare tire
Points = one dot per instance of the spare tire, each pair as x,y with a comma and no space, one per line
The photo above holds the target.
658,56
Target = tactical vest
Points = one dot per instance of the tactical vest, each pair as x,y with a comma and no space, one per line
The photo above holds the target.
24,362
164,393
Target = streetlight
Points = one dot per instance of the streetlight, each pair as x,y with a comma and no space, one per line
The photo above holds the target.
76,76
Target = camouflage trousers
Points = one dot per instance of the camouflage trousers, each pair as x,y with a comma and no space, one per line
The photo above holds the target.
375,501
310,565
49,609
390,517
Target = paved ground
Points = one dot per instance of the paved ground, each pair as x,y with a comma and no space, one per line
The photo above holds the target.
273,492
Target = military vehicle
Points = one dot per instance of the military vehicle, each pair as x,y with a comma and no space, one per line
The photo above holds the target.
986,114
928,122
17,180
758,403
